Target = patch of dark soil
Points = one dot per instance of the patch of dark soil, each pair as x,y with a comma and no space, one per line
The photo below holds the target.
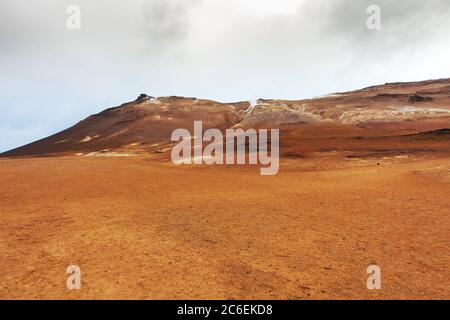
416,98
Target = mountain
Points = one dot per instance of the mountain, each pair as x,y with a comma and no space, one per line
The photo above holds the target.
393,116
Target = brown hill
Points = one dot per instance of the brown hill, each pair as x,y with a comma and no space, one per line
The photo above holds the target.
346,121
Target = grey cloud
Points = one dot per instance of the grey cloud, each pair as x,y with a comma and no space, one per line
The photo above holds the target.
403,22
167,21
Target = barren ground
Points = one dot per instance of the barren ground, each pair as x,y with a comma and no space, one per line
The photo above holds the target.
142,229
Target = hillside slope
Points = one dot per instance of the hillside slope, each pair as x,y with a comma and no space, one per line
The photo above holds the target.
144,126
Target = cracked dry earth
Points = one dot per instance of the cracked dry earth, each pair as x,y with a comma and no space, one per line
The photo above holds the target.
141,229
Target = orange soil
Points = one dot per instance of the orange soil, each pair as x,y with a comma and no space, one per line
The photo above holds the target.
147,230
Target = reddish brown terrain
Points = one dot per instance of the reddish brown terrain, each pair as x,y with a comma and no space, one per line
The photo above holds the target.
364,179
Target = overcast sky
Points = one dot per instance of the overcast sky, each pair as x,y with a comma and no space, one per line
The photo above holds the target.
228,50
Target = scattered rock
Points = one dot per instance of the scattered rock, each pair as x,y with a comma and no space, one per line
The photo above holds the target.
417,98
143,97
